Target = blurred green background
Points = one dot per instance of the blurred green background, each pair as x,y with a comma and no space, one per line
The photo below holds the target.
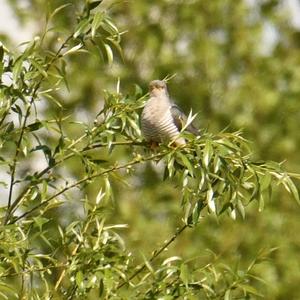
237,63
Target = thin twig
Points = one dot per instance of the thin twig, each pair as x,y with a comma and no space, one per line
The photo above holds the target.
29,271
154,255
86,227
27,114
87,178
27,189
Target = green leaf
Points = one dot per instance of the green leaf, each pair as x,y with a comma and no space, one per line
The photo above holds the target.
109,53
184,274
110,27
207,153
40,221
291,188
170,165
241,209
93,4
98,18
39,67
56,102
117,46
79,278
196,212
73,49
17,69
265,181
58,9
1,60
250,289
186,163
9,127
210,200
35,126
1,52
227,295
82,27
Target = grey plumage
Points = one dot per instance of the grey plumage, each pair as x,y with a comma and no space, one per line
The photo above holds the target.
162,119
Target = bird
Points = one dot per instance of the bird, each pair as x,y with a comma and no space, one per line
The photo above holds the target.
161,119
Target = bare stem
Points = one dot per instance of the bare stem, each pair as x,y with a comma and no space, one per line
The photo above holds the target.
27,189
87,178
154,255
26,116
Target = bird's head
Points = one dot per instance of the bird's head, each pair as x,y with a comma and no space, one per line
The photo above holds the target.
157,88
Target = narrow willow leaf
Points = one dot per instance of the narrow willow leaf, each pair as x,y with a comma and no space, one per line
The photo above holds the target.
171,259
189,120
108,191
98,18
225,207
93,4
148,264
109,54
207,153
39,67
290,186
1,68
185,179
187,213
250,289
241,208
1,51
50,97
233,214
110,27
227,295
135,127
99,196
265,181
184,274
17,68
117,46
197,210
35,126
170,165
82,27
186,163
217,164
79,278
210,201
58,9
1,59
73,49
25,150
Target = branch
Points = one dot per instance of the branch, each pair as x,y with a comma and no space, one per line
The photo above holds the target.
154,255
27,189
87,178
27,114
30,271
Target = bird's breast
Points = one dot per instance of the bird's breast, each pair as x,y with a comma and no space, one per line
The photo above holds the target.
157,122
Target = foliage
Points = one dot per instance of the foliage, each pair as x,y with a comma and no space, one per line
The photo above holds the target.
61,235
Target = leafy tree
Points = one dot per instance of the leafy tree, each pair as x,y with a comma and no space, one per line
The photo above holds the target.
89,210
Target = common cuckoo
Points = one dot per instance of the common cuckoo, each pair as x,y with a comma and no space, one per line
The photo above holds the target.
161,119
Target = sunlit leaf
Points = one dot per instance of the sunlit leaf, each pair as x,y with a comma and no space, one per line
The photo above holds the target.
73,49
97,20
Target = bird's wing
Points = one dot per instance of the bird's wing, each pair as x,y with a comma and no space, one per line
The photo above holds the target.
180,119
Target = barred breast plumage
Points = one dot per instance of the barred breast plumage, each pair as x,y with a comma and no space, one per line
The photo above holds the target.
157,120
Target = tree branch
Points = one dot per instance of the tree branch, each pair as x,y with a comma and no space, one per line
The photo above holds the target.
27,114
154,255
27,189
87,178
